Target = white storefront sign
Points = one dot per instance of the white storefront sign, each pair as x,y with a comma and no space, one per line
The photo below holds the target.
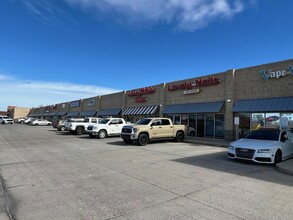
270,73
236,121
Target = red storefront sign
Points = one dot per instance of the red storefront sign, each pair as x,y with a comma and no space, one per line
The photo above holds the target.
140,92
198,83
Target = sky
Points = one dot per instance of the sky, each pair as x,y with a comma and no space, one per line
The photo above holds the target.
54,51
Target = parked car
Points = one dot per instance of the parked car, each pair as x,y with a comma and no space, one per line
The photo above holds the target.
20,120
55,123
148,129
6,120
79,126
263,146
29,120
106,127
40,122
61,125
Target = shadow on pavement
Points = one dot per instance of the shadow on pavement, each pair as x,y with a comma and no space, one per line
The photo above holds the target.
220,162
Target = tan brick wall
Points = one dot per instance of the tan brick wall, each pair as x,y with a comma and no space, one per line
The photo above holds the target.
155,98
63,107
111,101
208,93
75,109
90,104
250,83
19,112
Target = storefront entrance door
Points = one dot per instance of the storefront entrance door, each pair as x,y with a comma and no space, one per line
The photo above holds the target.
200,125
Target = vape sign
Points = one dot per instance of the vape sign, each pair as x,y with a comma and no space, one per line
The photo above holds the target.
270,73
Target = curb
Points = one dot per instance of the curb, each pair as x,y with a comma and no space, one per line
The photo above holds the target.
223,145
282,170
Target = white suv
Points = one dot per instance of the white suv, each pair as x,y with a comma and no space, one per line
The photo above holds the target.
6,120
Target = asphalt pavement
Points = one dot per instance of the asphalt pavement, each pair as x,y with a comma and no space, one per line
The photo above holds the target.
284,167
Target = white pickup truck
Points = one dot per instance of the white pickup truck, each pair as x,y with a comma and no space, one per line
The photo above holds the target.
79,126
106,127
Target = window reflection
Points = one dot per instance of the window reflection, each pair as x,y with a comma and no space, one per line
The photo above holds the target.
257,121
272,120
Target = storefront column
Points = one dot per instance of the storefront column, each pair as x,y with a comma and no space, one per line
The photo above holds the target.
229,118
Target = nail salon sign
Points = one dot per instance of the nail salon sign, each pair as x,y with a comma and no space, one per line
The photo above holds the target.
271,74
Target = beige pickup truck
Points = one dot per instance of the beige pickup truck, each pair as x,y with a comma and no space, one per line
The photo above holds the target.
151,129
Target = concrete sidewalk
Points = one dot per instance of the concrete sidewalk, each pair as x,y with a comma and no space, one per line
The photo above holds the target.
283,167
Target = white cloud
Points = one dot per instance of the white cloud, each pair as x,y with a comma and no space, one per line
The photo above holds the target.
4,77
186,15
27,93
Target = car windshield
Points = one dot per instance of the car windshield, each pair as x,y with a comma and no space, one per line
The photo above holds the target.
143,121
104,121
271,135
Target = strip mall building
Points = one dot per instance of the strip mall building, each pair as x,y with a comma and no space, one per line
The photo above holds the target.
225,105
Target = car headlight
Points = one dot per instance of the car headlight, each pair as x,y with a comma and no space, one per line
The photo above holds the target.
231,147
265,151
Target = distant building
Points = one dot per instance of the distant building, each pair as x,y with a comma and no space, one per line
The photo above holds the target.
18,112
3,113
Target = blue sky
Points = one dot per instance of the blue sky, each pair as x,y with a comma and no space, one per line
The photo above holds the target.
52,51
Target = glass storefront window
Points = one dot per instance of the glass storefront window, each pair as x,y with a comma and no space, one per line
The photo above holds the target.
272,120
219,126
257,121
177,119
200,125
192,125
254,121
184,120
286,121
210,126
244,124
203,125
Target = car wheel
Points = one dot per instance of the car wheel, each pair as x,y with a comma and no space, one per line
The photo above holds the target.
179,136
278,157
143,139
127,141
36,124
3,122
79,130
62,128
102,134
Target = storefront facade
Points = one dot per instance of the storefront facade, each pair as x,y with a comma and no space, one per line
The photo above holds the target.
89,107
110,105
74,109
198,103
225,105
62,110
143,102
263,97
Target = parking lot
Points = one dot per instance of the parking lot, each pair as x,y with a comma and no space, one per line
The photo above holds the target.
48,174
